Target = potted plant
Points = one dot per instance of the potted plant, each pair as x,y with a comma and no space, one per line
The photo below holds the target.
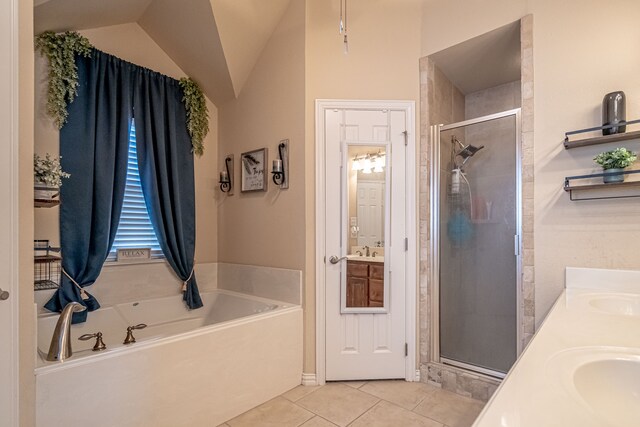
615,161
48,175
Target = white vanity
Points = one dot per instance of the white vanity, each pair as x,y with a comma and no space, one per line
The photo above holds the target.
582,368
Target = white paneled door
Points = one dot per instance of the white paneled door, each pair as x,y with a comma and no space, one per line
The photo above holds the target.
370,343
8,214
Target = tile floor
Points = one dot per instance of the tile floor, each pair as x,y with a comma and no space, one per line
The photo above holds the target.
360,404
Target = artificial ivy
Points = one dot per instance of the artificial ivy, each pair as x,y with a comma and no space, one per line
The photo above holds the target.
197,114
60,50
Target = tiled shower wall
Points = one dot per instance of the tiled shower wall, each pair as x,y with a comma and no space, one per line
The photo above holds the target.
442,103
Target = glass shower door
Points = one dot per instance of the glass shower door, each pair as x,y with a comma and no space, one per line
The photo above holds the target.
478,242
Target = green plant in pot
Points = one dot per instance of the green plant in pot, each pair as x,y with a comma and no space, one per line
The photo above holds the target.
615,161
47,176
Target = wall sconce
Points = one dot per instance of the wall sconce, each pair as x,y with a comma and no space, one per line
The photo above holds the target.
280,169
226,176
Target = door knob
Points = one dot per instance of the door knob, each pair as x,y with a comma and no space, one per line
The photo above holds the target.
4,295
334,259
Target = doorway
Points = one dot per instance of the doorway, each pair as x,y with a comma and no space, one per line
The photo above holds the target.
9,215
366,240
476,229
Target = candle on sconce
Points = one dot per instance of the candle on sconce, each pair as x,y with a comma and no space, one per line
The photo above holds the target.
224,176
277,165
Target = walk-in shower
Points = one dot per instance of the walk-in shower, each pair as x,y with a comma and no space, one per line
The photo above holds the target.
475,205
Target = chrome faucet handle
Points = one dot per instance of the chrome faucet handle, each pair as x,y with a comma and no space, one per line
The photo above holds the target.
359,253
99,343
374,253
130,339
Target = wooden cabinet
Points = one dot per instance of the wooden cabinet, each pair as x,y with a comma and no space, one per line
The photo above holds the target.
365,284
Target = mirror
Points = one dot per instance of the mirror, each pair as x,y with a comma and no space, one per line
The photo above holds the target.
367,194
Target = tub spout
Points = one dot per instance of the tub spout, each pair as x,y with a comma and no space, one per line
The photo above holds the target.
60,348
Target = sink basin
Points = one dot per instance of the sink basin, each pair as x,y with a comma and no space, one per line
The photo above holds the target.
617,304
611,388
603,381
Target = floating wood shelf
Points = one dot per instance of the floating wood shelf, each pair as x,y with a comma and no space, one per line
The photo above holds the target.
45,203
571,187
45,258
616,137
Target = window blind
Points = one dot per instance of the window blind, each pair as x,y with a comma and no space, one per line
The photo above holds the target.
135,229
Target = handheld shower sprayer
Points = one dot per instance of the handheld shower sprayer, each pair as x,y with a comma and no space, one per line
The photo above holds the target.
455,181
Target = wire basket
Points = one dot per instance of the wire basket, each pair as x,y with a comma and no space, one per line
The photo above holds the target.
46,267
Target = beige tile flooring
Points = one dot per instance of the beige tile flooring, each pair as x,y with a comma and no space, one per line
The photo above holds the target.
363,403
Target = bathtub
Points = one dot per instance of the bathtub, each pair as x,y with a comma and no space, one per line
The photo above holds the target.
186,368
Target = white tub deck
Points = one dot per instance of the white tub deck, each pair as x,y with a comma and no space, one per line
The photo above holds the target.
187,368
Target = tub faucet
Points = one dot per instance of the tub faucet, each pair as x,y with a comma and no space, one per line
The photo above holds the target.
60,348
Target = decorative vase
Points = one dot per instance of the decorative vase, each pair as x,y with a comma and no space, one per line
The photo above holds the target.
613,178
42,191
614,112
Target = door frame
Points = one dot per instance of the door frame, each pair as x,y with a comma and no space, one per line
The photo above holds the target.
411,373
434,231
9,111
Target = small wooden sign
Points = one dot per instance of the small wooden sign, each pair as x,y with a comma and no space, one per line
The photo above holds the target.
133,254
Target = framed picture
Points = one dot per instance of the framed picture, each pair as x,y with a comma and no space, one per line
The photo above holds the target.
253,173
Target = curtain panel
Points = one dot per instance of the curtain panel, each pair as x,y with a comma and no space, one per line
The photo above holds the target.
94,148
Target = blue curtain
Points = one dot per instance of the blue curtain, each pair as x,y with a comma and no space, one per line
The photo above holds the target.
165,162
94,146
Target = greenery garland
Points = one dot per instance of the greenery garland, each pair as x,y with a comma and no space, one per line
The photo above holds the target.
197,114
60,50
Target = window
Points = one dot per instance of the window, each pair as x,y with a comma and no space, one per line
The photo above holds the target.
134,229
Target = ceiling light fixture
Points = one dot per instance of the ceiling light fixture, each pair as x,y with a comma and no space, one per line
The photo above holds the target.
343,25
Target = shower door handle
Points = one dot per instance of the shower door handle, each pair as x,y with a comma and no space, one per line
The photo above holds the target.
516,244
334,259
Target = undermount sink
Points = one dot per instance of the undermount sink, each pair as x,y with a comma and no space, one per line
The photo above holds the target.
612,389
605,380
627,305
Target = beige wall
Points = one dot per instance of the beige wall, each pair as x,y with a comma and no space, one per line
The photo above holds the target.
384,47
571,77
132,44
267,228
26,324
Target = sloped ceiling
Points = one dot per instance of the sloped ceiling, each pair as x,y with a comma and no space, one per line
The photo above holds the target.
189,35
244,28
485,61
62,15
215,42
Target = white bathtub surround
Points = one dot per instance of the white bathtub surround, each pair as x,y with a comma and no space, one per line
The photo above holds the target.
195,368
123,282
267,282
582,368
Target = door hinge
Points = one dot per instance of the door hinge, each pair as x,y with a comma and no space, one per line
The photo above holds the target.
406,349
406,244
406,137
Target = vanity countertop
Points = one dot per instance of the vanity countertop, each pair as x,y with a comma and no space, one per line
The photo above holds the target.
582,367
379,259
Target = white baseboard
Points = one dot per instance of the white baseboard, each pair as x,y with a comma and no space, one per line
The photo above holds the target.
309,379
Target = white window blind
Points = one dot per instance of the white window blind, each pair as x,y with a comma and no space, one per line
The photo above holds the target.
134,229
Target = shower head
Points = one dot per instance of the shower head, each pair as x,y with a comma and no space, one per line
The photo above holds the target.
468,151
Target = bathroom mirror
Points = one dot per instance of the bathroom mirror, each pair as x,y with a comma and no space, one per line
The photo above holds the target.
364,279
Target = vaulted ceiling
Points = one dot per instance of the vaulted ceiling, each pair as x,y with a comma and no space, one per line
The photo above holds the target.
215,42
